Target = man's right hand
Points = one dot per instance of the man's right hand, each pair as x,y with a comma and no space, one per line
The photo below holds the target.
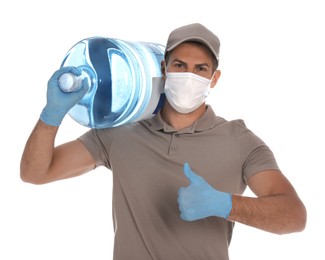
58,102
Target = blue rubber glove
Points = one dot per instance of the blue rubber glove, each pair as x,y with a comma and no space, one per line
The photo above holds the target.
58,102
200,200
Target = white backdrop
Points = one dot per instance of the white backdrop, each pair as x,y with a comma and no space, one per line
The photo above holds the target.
272,63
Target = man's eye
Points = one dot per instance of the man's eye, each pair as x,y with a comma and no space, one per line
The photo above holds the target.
201,68
179,65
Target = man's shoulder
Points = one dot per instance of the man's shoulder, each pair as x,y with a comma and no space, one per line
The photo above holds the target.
234,126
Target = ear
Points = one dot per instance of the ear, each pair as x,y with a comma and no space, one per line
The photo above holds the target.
163,69
215,78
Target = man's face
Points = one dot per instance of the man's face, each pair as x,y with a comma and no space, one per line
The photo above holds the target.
191,57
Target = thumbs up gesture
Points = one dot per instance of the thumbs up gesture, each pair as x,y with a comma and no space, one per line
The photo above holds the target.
200,200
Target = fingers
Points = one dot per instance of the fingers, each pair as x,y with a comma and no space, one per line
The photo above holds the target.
57,74
183,203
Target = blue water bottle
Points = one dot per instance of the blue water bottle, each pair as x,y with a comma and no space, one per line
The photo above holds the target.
124,78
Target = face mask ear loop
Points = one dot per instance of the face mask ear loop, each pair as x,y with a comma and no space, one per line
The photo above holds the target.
213,75
212,79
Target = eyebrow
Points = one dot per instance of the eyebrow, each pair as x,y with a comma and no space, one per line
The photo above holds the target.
197,65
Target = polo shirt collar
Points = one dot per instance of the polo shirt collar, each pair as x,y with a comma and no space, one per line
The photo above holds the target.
207,121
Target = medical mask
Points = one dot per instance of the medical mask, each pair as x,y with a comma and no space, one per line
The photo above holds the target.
186,91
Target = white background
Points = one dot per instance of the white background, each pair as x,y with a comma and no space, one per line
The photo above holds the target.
272,63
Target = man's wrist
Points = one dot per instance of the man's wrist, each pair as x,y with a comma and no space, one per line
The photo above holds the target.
223,204
51,119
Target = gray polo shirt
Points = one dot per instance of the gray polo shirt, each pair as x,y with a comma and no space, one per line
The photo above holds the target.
147,158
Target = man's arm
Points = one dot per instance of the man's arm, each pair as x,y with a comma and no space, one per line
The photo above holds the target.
41,162
276,209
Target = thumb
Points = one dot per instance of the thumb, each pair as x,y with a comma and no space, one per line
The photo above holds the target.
191,176
84,89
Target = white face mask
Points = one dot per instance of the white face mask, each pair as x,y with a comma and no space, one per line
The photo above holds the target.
186,91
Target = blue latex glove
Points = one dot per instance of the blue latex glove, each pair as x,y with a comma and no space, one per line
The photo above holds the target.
200,200
58,102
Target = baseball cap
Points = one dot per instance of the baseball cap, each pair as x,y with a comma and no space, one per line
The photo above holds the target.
193,32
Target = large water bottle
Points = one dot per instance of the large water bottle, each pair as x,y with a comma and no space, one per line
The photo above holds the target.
124,77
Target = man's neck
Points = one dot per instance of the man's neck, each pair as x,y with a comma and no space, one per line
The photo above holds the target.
178,120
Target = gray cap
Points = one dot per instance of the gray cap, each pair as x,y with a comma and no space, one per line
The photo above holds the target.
194,32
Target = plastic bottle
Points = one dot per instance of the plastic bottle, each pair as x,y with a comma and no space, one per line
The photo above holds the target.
125,81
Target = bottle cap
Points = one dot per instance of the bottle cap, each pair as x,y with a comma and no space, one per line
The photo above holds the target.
67,82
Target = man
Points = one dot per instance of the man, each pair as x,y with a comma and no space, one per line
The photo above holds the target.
179,177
